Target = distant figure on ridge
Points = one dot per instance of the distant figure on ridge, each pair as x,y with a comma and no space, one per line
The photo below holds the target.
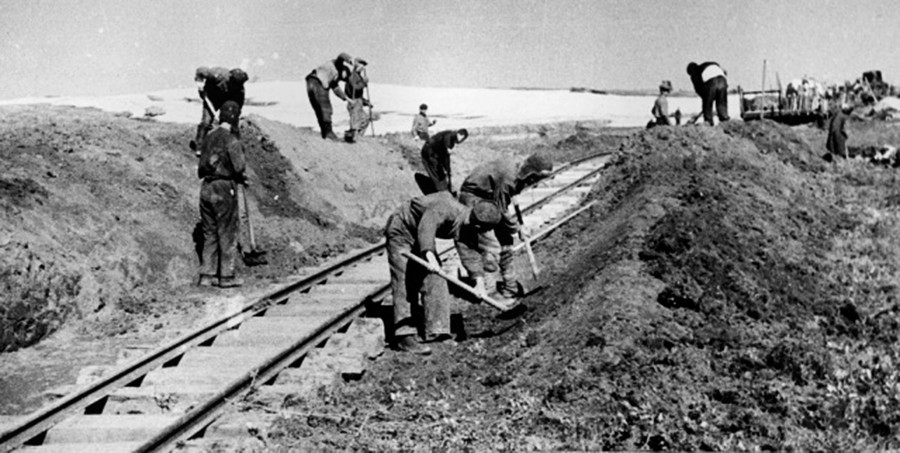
711,85
322,79
355,89
413,228
436,160
498,182
215,87
421,123
221,168
660,110
836,143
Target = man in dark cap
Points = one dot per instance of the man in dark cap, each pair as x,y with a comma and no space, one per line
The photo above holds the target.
215,87
319,82
355,89
711,85
421,123
498,182
221,168
436,160
412,228
660,109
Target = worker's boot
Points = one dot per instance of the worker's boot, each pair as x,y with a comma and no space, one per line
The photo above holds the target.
408,343
207,280
230,282
328,133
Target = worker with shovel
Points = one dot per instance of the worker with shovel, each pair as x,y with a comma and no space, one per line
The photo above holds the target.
436,160
711,84
221,168
498,182
319,82
215,87
355,89
413,228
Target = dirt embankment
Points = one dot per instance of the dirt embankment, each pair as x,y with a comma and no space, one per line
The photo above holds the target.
98,213
728,291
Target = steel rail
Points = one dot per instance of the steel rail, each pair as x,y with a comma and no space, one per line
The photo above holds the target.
38,423
45,418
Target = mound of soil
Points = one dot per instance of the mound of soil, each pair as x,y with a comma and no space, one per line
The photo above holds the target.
727,291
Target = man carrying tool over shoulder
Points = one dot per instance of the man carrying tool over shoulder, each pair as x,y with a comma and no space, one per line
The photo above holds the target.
711,85
355,88
221,168
413,228
216,86
498,181
319,82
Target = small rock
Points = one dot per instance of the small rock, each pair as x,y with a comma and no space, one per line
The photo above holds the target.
154,110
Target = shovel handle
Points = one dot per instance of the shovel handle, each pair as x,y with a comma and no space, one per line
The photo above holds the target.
206,103
247,213
525,240
458,283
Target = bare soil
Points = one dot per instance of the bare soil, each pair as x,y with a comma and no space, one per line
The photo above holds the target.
729,291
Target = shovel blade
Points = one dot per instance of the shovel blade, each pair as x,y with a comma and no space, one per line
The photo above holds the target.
255,258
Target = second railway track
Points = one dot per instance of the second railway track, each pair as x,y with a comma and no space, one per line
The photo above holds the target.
304,334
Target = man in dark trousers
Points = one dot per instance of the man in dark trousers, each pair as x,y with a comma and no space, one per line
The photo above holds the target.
421,123
322,79
221,168
711,85
498,182
355,88
216,86
436,160
836,143
412,228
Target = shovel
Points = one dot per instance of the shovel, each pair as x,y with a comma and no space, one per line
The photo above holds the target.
535,272
459,284
254,257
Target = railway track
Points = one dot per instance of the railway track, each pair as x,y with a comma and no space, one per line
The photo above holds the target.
316,330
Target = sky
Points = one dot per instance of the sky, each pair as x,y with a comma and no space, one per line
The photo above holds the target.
107,47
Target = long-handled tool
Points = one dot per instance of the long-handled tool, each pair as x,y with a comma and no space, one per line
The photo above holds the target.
253,257
459,284
525,240
369,97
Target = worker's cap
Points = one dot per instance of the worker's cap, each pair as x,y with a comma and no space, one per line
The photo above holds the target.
230,113
485,214
238,75
463,133
423,107
202,72
345,56
692,68
360,61
538,164
666,85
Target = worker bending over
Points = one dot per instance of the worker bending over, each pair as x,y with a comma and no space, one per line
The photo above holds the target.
215,87
436,160
413,228
498,182
355,88
322,79
711,85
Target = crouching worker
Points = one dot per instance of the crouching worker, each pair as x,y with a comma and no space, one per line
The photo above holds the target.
498,181
221,169
413,228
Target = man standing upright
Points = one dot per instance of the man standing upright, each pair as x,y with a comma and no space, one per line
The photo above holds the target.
711,85
215,87
355,89
322,79
436,160
221,168
421,123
